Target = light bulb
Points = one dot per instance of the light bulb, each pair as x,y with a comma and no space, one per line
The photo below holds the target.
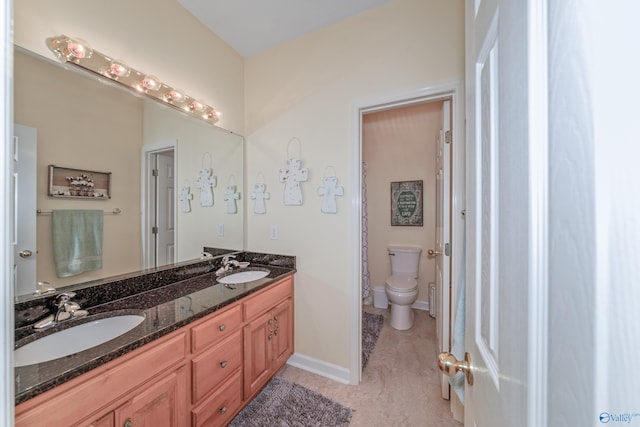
150,83
174,96
196,106
210,114
118,69
78,48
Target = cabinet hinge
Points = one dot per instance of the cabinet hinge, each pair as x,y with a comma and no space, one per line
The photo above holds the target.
154,172
447,137
154,230
447,249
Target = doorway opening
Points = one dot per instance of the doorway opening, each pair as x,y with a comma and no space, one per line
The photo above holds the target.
158,219
430,97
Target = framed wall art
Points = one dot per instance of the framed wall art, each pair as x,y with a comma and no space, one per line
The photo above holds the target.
79,183
406,203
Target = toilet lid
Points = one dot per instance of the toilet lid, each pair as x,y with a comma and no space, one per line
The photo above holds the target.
401,284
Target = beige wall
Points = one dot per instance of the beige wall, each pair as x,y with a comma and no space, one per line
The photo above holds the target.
154,36
307,88
53,101
400,145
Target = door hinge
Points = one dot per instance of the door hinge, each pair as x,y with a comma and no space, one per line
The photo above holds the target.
154,230
154,172
447,249
447,137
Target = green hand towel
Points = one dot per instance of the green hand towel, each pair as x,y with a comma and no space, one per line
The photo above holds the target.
77,241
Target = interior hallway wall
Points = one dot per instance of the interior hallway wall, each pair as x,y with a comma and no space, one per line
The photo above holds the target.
400,145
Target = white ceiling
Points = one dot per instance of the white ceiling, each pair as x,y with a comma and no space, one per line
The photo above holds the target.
251,26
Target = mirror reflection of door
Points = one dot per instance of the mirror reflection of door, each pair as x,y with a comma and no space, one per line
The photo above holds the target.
25,156
162,212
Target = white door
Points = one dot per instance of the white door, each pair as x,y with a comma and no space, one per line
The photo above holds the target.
443,239
500,245
158,215
25,171
165,219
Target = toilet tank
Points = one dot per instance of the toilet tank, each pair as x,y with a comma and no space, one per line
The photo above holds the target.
405,260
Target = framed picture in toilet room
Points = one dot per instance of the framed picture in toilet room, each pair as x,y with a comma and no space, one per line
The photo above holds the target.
406,203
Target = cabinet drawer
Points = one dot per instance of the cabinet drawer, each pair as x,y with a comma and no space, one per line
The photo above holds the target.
218,327
213,366
218,409
267,299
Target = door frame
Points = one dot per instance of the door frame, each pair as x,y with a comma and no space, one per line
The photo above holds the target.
147,197
455,92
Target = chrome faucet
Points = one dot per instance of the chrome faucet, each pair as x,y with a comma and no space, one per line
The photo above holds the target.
227,264
63,309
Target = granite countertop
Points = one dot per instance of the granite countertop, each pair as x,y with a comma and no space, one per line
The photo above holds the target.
166,309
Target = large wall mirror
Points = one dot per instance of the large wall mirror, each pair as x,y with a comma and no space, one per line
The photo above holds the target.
74,120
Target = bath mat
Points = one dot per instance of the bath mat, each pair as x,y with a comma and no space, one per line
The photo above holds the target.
371,326
285,404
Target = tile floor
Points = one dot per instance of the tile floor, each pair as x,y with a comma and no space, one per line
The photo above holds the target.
399,385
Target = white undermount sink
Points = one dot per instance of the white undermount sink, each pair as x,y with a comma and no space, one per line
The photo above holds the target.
243,277
75,339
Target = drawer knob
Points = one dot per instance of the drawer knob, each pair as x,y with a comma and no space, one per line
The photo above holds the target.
222,328
223,364
223,409
127,423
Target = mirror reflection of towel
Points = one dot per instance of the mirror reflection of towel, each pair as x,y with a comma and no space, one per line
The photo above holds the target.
77,240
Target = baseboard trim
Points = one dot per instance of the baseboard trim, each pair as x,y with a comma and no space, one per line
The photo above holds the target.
325,369
421,305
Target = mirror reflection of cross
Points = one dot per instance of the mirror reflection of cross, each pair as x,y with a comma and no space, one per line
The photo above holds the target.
185,198
205,183
260,195
230,196
292,175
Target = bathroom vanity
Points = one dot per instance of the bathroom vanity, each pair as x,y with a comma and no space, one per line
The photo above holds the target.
202,353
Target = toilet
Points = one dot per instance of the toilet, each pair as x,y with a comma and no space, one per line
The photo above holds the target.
402,286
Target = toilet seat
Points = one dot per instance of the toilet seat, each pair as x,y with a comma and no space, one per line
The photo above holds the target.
401,283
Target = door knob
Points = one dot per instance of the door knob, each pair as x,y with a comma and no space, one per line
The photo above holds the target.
25,254
431,252
450,366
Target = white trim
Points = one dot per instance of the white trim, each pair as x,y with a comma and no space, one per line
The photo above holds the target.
421,305
448,90
7,203
316,366
145,188
355,332
538,94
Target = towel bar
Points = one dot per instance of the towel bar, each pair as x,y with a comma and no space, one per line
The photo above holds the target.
115,211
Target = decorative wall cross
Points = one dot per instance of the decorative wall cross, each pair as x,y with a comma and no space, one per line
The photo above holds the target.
292,174
330,190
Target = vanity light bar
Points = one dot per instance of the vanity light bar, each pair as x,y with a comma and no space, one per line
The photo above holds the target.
78,52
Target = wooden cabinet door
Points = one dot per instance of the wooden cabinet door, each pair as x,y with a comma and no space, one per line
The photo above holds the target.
107,420
257,353
161,403
282,341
